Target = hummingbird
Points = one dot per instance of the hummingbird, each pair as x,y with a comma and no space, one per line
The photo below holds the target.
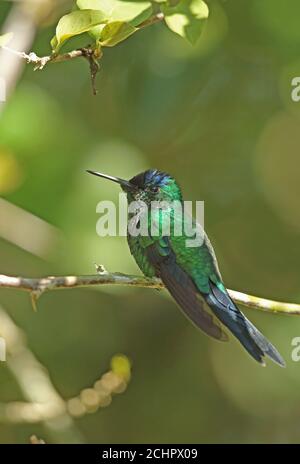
190,274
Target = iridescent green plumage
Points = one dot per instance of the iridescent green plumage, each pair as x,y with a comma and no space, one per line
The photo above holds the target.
190,273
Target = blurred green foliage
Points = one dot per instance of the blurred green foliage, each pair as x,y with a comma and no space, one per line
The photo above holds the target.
219,117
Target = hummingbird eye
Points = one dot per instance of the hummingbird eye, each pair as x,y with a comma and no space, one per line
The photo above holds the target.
155,189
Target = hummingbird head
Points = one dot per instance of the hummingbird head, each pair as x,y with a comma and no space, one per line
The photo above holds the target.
154,185
151,185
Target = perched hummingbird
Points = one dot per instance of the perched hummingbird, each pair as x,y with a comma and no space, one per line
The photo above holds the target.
190,274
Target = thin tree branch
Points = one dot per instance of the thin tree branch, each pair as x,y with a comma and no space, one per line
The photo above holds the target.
88,52
40,62
157,18
36,287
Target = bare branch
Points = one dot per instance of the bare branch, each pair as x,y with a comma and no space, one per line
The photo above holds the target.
40,62
153,20
45,284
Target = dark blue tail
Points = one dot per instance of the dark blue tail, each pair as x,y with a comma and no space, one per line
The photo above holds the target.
249,336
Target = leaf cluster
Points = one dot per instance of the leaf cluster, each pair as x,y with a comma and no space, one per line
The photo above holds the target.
110,22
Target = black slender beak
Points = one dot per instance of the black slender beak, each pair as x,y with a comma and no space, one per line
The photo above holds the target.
124,183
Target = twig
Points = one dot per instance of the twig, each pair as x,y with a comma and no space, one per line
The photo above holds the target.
157,18
46,284
93,55
40,62
88,52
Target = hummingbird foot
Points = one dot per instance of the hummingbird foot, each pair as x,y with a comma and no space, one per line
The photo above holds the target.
100,269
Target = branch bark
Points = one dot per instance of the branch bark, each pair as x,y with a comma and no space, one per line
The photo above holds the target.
40,62
91,54
36,287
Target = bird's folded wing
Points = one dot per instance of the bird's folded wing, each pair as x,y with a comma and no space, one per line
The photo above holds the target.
183,289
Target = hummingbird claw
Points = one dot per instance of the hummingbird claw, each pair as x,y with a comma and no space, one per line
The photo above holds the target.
100,269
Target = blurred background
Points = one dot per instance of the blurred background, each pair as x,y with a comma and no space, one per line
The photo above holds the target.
220,118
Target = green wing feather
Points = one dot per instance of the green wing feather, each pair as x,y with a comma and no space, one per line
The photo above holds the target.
192,277
162,256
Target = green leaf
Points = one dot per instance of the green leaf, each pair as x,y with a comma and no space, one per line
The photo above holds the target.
5,38
76,23
173,2
133,12
115,32
54,43
187,18
169,2
96,32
